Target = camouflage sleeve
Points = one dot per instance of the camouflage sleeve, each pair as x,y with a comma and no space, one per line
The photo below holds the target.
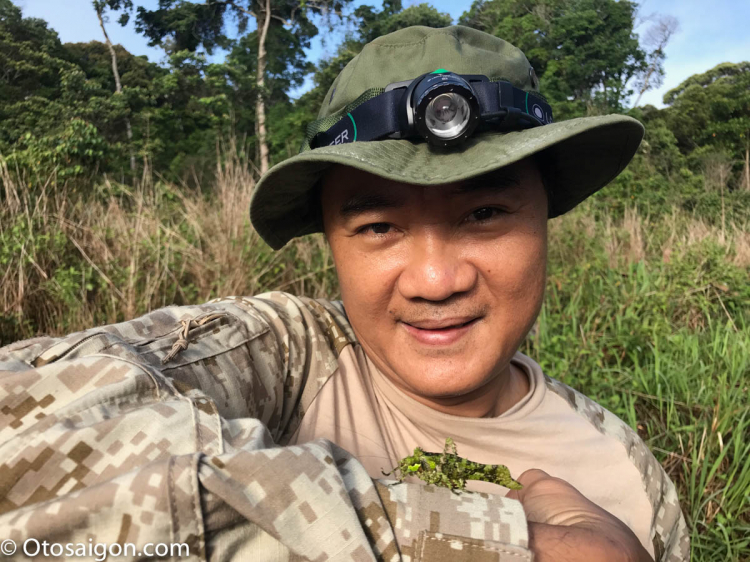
164,430
670,535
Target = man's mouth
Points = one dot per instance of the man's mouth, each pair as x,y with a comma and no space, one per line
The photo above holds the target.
440,332
444,324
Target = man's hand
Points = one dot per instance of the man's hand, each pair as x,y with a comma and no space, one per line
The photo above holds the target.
564,526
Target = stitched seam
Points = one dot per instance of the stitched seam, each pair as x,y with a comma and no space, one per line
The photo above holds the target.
424,39
170,367
172,503
146,369
175,394
196,424
421,550
477,547
217,419
397,45
178,395
200,530
352,73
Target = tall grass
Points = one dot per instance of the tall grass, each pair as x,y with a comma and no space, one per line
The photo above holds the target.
70,261
649,315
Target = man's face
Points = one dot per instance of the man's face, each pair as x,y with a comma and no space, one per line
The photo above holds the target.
441,283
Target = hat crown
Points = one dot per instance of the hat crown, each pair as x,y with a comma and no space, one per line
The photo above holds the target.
411,52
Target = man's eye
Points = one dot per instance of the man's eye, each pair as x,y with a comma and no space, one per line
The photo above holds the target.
483,214
376,228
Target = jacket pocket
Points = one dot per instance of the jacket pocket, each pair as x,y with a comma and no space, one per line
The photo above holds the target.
210,352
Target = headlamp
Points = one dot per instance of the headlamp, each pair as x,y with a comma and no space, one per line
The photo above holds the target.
442,107
445,107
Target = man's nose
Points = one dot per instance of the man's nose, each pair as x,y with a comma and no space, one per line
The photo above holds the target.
436,271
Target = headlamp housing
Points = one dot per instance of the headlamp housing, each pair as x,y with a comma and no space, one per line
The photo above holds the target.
442,107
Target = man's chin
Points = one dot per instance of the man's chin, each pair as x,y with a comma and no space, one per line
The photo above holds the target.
443,377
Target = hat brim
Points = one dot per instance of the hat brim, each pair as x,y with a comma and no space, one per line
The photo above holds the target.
582,155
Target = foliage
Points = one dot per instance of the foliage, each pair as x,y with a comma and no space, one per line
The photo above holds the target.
651,317
188,25
393,17
584,51
73,151
31,56
712,109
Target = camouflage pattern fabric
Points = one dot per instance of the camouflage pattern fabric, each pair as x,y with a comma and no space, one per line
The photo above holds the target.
169,429
669,533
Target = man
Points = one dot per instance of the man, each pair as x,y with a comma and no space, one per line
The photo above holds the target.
258,428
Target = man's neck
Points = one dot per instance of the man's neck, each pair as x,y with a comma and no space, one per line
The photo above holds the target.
490,400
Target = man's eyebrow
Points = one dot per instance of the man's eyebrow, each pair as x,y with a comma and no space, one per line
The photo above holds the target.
364,202
493,181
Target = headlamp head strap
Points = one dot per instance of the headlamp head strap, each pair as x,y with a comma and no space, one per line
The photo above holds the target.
406,110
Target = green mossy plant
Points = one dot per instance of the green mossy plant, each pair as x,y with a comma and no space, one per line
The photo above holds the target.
448,470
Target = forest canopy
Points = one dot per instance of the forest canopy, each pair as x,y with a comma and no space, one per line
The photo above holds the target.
80,110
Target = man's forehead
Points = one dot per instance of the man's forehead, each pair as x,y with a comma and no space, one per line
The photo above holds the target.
357,191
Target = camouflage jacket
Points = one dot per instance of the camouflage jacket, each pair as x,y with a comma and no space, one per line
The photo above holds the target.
170,428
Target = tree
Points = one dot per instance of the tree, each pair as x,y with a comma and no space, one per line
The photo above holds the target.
584,51
656,38
100,6
64,108
31,61
191,25
189,112
393,17
712,110
46,102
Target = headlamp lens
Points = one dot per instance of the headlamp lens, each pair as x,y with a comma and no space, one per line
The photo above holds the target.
447,115
446,110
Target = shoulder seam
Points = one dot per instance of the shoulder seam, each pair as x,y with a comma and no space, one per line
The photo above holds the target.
336,325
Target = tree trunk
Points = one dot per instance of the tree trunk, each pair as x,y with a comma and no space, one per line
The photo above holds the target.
723,221
657,36
644,88
118,86
260,80
747,161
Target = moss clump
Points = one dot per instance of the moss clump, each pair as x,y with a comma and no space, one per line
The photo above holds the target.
448,470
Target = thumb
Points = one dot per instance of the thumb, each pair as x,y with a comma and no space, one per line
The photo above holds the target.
527,479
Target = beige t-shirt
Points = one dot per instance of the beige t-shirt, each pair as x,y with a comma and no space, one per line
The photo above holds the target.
359,409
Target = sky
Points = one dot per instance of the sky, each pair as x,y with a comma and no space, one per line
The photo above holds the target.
709,32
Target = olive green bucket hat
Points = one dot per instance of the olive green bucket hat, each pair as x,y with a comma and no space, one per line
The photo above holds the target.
581,155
